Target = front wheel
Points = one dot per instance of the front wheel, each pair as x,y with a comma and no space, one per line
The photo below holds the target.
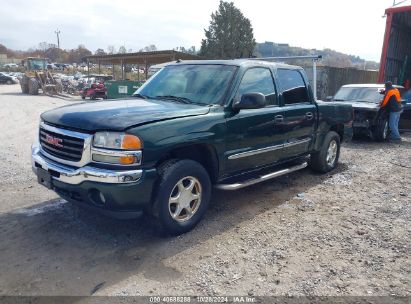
326,159
183,195
380,132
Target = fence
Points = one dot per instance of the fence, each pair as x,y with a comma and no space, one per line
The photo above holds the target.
330,79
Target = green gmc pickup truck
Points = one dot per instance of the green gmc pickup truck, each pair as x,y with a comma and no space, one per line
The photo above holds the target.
193,126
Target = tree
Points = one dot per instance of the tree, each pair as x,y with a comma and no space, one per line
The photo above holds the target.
149,48
100,52
122,50
111,49
230,34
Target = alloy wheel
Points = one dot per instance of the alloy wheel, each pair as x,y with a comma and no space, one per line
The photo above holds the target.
185,199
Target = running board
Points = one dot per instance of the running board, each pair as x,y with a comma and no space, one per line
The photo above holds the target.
260,179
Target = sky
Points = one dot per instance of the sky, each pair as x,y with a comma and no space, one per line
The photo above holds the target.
354,27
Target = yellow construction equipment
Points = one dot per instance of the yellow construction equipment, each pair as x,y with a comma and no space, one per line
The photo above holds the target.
37,77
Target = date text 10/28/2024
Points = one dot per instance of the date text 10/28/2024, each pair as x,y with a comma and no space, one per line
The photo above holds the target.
205,299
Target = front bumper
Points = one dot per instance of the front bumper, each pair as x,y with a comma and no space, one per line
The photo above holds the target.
361,124
75,176
119,194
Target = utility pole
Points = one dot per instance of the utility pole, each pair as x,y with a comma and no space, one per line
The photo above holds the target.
58,38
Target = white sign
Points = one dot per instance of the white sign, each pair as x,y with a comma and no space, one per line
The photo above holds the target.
122,90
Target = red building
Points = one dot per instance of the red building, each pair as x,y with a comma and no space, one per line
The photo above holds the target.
395,64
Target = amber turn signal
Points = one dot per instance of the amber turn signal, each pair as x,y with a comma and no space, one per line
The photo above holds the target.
127,160
131,142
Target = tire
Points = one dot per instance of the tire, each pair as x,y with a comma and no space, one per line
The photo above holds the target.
24,84
326,159
83,96
59,86
93,96
33,86
9,81
380,132
175,199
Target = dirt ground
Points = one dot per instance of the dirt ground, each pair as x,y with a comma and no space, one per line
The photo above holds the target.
344,233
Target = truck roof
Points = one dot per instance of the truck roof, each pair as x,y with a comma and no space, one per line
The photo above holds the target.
238,62
368,85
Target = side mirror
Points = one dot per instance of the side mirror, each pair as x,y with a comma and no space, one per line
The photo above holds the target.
328,98
250,101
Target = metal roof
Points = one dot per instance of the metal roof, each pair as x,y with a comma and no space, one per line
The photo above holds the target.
398,9
146,58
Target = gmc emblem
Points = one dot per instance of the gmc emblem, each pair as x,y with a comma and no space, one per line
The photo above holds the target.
54,141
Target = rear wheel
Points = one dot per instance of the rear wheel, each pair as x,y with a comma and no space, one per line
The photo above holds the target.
9,81
326,159
24,84
59,86
183,195
33,86
380,132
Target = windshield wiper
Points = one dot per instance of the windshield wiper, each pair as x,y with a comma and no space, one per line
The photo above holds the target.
175,98
338,100
138,95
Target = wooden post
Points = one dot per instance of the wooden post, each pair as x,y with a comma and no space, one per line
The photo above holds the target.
122,69
146,68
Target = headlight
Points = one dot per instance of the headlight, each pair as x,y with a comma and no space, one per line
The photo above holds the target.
119,141
117,148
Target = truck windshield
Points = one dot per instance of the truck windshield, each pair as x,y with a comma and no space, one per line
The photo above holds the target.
37,64
189,83
358,94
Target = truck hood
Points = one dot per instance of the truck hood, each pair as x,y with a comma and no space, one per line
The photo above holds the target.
360,105
120,114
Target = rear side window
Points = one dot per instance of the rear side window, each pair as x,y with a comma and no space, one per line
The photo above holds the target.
259,80
292,87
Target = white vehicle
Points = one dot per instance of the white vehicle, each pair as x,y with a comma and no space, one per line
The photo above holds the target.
11,65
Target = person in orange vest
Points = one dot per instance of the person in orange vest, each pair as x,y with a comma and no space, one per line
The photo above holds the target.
392,104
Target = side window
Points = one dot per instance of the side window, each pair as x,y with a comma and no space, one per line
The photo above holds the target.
259,80
292,87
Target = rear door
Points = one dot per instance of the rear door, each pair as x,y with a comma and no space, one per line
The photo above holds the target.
253,135
300,112
405,119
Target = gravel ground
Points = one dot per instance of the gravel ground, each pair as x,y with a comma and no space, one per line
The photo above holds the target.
344,233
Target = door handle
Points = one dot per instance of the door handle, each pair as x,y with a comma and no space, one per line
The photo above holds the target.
279,118
309,115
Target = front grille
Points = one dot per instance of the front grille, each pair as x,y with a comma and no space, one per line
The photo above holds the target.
359,116
61,146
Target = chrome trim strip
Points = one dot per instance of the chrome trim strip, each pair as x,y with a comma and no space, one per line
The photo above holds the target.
76,176
268,149
260,179
118,153
64,131
297,142
255,152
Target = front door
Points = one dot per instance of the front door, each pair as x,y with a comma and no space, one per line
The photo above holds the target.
300,113
254,136
405,118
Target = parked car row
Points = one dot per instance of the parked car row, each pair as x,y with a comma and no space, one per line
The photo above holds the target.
8,79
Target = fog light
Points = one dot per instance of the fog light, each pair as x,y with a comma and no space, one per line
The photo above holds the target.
97,197
102,198
127,178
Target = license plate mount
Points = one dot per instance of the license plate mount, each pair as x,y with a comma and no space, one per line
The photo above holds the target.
44,178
